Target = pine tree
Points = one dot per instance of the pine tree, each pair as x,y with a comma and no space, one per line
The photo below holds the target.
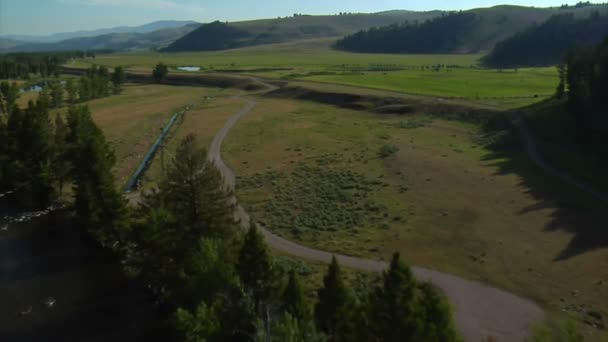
29,145
100,207
4,155
255,267
56,93
84,89
561,87
10,95
393,312
335,304
160,72
72,90
294,302
61,166
194,190
118,79
437,316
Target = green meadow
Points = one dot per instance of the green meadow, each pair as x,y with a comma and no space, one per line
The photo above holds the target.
314,61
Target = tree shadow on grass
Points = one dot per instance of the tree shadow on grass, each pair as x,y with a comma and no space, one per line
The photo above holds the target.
573,210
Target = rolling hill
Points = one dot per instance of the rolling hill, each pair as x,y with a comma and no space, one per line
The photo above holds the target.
470,31
268,31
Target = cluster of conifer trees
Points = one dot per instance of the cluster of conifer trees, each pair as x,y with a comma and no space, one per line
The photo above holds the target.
585,77
39,155
558,35
439,35
24,65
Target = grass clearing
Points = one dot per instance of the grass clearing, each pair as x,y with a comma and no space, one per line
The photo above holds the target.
447,202
133,120
475,84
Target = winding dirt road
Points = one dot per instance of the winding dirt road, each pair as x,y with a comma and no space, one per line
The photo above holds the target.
480,311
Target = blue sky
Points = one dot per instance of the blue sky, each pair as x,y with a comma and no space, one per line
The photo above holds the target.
39,17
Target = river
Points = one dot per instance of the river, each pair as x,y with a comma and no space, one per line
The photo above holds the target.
45,259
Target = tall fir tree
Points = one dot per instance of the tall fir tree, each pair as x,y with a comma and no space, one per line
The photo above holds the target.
393,313
29,144
255,267
335,305
61,166
194,188
72,90
100,207
293,300
56,94
118,79
437,316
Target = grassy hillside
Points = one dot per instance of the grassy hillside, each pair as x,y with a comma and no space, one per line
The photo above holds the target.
268,31
475,30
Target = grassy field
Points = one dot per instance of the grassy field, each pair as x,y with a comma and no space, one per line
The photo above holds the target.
132,120
314,174
204,120
315,61
458,82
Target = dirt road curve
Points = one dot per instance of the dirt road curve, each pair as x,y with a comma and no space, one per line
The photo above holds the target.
480,311
530,147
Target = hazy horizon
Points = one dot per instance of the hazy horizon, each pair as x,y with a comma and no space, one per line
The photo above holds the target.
33,17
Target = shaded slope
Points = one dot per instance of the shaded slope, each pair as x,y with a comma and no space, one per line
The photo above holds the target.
547,43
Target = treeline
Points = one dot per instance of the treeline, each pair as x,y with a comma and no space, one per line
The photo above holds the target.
32,151
439,35
547,43
39,155
26,65
584,82
580,4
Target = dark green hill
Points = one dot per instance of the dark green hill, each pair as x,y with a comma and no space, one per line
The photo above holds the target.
547,43
269,31
458,32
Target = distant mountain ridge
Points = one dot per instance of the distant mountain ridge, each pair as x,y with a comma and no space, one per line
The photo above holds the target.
113,41
57,37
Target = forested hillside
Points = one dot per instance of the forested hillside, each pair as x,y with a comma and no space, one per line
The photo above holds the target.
439,35
268,31
458,32
585,77
547,43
